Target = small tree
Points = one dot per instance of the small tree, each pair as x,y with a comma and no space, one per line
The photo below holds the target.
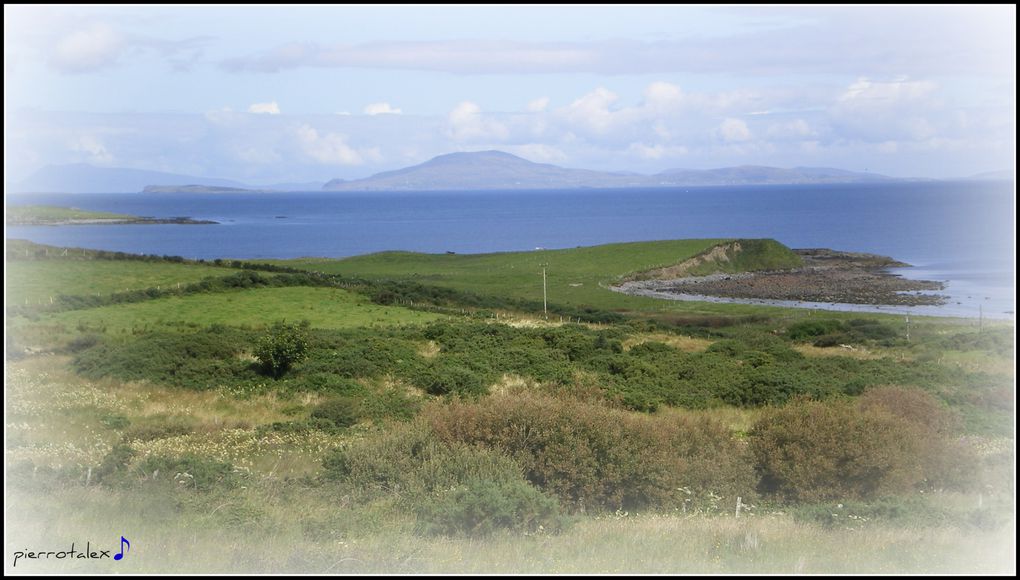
283,347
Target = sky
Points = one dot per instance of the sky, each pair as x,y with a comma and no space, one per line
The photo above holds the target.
299,93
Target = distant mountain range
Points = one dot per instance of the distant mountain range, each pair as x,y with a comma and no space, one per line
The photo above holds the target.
482,170
499,170
485,170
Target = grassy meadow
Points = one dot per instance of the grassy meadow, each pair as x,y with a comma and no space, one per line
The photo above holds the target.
574,277
411,413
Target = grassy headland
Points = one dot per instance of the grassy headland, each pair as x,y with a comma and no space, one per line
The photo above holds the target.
49,215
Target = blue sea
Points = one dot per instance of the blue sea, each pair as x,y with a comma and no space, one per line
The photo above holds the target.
961,233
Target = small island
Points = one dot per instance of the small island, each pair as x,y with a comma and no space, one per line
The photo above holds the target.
198,189
49,215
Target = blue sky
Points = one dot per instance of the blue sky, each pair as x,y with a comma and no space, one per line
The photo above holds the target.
268,94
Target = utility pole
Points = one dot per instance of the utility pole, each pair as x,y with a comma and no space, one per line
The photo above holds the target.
545,300
907,318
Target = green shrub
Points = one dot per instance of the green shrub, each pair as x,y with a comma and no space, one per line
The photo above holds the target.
479,508
114,462
191,471
820,451
284,346
446,377
409,461
390,403
834,339
727,347
198,360
865,329
159,427
83,342
342,412
813,328
913,510
115,421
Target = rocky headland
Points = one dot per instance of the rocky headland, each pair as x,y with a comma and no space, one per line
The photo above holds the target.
826,276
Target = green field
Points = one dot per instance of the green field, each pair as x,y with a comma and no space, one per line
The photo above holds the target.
36,282
574,277
469,435
323,307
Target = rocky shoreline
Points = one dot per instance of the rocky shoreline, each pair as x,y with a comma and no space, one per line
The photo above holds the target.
827,276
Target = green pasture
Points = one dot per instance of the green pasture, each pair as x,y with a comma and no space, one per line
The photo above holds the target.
573,276
34,282
323,307
578,277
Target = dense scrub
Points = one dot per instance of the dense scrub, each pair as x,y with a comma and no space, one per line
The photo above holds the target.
750,369
595,457
889,442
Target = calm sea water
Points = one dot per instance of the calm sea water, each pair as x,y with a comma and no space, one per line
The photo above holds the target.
961,233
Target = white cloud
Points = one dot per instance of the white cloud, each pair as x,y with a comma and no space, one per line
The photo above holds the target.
466,123
888,147
592,111
661,95
734,130
270,108
889,91
381,109
96,152
795,129
328,149
895,110
88,49
538,105
657,151
75,43
834,40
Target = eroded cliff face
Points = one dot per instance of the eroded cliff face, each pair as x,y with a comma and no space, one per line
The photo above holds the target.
723,253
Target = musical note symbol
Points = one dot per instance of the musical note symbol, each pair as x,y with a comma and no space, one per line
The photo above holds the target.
123,541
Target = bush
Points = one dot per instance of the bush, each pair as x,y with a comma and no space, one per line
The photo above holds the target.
947,462
479,508
284,346
115,421
445,377
813,328
390,403
410,461
595,457
114,462
904,511
191,471
197,360
820,451
161,428
83,342
341,412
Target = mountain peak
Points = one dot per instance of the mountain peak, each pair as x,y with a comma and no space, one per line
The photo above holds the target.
492,155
